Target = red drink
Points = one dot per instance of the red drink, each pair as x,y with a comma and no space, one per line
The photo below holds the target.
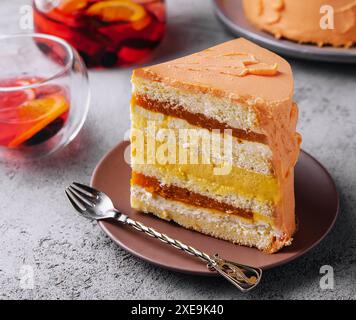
31,116
106,33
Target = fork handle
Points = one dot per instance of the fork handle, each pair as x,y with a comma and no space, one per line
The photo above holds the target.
243,277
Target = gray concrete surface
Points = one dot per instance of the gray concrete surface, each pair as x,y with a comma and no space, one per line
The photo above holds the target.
74,259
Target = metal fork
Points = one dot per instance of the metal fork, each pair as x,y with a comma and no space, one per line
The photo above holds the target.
96,205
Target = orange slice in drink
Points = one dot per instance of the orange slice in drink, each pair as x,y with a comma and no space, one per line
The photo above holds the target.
117,10
40,113
70,6
142,23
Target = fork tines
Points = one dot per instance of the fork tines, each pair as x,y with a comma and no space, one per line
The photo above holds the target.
76,203
80,196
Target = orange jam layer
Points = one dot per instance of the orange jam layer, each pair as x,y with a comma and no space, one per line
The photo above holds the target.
195,119
171,192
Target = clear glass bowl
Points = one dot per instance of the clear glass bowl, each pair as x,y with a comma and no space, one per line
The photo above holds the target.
44,95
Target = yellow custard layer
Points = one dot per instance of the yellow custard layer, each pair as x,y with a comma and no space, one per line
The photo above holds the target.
239,181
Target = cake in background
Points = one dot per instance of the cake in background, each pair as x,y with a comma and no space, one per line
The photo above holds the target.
303,21
236,89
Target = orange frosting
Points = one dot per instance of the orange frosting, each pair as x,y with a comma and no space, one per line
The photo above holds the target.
221,71
217,71
300,20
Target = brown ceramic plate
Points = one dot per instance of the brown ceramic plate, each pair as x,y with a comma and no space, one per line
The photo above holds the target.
231,14
316,209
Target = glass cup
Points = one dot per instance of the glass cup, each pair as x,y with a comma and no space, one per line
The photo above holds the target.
106,33
44,95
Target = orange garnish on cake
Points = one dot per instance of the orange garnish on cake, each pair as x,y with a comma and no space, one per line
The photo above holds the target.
40,113
261,70
117,10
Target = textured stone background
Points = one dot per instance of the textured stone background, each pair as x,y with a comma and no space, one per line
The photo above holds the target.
74,259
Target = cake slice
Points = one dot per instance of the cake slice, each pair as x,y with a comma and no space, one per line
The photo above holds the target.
214,144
